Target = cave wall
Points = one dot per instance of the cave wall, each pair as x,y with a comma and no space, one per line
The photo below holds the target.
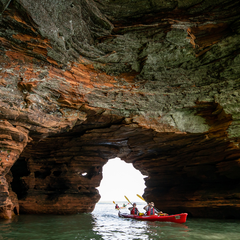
153,82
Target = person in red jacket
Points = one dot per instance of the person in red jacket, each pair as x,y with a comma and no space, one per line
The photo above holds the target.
150,209
133,209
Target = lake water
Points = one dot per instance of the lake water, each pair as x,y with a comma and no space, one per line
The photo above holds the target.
104,223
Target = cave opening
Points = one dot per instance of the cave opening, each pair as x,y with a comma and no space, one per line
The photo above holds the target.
18,171
121,179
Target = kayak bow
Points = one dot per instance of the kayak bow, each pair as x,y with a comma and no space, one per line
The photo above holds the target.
177,218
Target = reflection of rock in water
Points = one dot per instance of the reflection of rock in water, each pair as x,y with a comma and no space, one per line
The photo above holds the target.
168,224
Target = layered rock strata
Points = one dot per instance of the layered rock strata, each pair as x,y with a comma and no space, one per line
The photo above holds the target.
153,82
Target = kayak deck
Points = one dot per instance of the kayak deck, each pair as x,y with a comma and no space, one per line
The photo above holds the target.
177,218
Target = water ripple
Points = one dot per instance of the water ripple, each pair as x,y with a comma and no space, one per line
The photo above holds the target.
104,224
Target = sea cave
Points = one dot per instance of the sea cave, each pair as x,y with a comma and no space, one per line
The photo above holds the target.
155,83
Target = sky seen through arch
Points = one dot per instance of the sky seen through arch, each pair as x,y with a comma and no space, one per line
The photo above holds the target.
121,179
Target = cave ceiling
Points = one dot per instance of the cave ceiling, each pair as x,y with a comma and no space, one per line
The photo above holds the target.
155,83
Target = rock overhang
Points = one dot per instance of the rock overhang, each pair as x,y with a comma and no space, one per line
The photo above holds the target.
155,84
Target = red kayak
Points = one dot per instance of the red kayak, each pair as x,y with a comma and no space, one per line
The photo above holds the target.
177,218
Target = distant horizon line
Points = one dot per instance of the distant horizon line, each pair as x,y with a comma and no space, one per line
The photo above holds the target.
120,201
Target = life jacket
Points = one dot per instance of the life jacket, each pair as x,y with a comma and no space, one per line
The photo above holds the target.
150,211
134,211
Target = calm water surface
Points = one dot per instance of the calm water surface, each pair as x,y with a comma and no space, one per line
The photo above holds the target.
104,223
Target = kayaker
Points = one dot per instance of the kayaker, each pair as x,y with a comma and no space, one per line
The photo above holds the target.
116,206
150,209
133,209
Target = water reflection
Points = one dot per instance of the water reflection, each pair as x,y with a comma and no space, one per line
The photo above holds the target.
168,230
167,224
48,227
104,224
110,226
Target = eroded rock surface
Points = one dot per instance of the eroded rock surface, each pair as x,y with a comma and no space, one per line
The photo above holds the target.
153,82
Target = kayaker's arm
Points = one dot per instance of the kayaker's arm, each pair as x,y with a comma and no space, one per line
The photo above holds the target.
145,208
156,211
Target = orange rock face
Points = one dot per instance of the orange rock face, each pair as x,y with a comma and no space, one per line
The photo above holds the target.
154,84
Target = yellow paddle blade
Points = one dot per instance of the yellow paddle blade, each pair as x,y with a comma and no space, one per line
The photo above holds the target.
141,197
113,202
127,199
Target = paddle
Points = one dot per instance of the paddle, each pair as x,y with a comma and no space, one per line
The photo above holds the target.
147,203
140,214
128,200
141,198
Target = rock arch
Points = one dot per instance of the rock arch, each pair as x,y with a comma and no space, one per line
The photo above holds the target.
185,174
154,84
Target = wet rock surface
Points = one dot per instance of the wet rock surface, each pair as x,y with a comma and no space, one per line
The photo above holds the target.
155,83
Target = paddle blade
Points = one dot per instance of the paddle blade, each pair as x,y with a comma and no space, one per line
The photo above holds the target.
141,197
127,199
114,202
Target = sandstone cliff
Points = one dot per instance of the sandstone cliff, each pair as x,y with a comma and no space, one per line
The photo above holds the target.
153,82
